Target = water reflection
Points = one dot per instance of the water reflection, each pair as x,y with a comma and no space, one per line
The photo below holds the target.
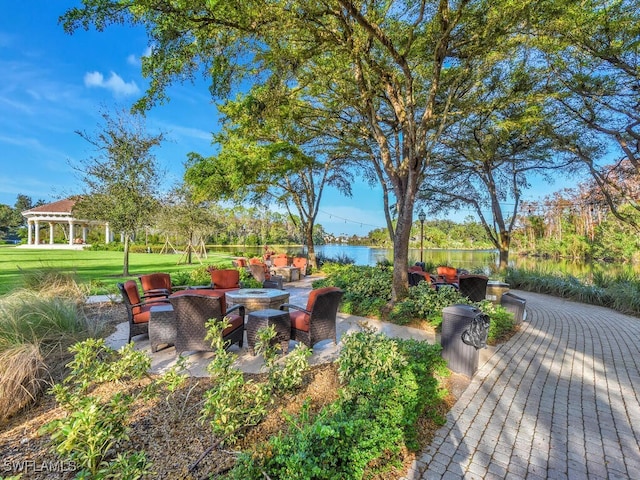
473,260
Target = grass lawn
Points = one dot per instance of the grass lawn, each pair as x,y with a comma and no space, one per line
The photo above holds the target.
97,268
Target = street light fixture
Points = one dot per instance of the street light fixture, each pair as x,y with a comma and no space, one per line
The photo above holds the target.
422,217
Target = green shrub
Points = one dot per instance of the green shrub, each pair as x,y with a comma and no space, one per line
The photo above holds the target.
367,289
195,276
388,384
425,303
95,428
232,404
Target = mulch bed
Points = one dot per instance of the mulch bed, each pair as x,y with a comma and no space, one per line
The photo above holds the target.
169,428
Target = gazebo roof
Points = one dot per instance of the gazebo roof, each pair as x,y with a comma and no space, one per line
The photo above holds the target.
60,211
59,207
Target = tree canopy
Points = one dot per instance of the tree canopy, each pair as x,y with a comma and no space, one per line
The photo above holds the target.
122,179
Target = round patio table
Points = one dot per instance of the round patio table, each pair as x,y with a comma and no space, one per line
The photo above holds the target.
257,298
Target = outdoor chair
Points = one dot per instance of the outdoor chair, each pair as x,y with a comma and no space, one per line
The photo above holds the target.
225,279
192,312
474,287
416,275
280,260
240,262
301,263
261,273
317,321
448,274
156,285
138,309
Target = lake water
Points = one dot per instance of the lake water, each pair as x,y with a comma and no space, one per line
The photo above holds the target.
472,260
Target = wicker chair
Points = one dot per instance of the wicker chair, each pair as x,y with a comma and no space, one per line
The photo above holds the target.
156,285
138,308
473,287
192,312
317,321
448,274
225,279
261,273
301,263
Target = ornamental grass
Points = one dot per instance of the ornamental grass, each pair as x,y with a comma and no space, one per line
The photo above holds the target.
37,326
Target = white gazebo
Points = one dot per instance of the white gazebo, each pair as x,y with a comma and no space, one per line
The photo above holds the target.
60,212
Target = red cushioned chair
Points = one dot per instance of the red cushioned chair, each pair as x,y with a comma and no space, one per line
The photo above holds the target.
156,285
225,279
280,260
448,274
192,313
417,275
138,310
317,321
301,263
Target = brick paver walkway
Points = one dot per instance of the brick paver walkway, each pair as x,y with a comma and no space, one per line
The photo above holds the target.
561,399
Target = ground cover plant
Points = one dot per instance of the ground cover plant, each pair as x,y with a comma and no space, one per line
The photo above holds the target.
36,327
368,291
620,291
386,385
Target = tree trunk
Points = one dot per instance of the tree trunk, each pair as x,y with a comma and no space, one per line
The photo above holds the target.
125,267
400,285
505,243
311,251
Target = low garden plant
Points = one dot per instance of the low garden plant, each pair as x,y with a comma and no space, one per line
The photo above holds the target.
368,290
36,328
93,434
620,292
387,384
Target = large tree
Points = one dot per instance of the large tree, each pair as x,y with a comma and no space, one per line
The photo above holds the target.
486,158
180,215
389,69
593,53
122,179
273,152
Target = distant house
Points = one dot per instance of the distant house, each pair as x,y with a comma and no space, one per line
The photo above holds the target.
60,212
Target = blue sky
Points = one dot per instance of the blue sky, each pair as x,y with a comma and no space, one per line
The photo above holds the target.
53,84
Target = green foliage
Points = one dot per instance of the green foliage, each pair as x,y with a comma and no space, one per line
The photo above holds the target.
425,303
96,427
195,276
90,430
501,321
247,280
367,289
95,362
232,404
285,376
620,292
388,384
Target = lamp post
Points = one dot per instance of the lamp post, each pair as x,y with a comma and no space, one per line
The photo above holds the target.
422,217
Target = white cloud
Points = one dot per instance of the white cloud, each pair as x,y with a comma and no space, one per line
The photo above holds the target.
114,83
133,60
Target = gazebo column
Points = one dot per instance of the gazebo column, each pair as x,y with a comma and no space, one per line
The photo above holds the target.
50,233
29,232
37,232
107,233
71,232
84,234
